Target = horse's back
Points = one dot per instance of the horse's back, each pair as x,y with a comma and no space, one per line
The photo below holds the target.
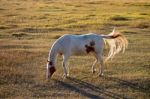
76,44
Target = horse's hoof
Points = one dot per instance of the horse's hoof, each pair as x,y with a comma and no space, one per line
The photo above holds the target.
101,75
93,71
65,75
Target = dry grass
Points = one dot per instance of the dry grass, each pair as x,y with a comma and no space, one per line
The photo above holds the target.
29,27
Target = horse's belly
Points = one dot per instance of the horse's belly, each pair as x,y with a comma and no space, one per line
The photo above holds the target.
78,51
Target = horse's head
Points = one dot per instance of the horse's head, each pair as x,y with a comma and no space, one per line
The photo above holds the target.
50,69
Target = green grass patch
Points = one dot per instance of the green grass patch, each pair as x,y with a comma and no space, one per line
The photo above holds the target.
119,18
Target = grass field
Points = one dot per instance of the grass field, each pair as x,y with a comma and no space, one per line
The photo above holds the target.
28,28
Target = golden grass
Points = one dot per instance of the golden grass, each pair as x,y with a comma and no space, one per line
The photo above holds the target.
28,28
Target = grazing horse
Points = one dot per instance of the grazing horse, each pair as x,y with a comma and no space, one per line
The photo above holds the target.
69,44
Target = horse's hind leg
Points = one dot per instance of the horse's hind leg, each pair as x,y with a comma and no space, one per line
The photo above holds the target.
99,58
65,60
94,64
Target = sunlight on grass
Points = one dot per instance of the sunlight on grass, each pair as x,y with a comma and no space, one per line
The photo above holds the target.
28,28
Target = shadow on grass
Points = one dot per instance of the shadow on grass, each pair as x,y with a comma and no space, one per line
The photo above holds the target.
88,90
67,88
131,84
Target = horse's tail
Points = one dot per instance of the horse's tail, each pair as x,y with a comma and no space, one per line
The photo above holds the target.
117,43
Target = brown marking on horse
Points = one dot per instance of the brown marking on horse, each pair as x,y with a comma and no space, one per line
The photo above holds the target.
52,70
89,49
60,53
50,62
92,43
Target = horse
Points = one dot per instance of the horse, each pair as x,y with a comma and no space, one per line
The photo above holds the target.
69,44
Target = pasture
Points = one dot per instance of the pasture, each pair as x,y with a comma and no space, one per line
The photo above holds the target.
28,28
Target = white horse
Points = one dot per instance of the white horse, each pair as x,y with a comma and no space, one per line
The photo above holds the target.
69,44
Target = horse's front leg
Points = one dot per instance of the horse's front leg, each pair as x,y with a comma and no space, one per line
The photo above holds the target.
66,70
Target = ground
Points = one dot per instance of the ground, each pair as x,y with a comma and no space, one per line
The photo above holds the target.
28,28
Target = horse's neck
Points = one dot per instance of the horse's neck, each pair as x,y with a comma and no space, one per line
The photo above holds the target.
53,54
